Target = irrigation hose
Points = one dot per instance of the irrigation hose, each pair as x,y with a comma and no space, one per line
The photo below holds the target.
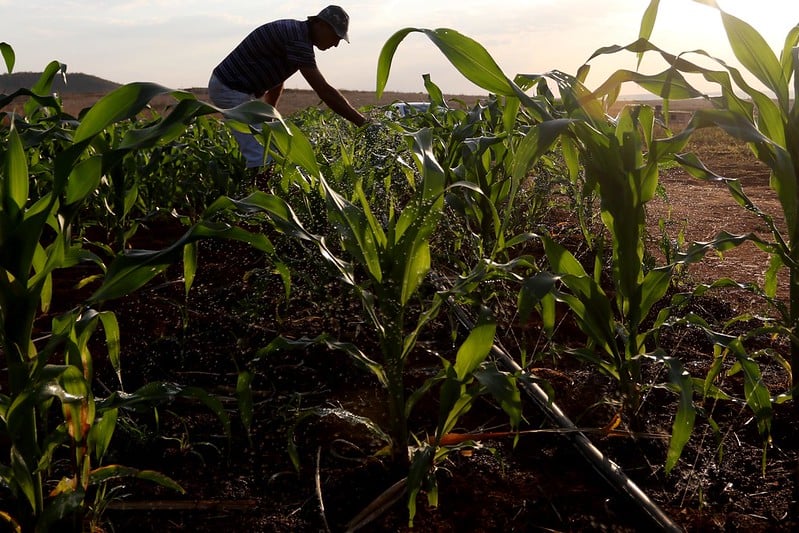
606,468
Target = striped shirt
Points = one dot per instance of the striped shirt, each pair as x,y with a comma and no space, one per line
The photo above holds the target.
267,57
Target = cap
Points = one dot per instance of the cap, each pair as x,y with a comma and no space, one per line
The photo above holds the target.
337,18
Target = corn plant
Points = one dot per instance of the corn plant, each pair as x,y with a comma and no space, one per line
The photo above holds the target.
613,154
766,123
384,258
50,166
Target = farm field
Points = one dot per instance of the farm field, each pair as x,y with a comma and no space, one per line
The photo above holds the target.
541,483
514,312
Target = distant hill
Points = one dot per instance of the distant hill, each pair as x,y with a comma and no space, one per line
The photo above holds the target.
77,83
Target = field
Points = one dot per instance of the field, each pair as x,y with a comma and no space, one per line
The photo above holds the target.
293,100
540,484
517,312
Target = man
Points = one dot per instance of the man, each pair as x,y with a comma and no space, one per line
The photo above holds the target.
267,57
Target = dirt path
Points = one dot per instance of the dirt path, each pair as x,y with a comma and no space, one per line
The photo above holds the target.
700,210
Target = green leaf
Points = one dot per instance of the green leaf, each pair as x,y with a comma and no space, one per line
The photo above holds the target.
8,56
537,142
23,477
683,425
386,55
84,179
757,394
76,402
417,265
503,388
466,55
211,402
273,206
533,290
653,288
15,185
561,260
754,53
436,96
134,268
152,393
245,399
101,432
189,265
64,506
421,465
476,347
120,104
787,55
281,343
355,231
293,143
106,473
112,341
43,85
647,24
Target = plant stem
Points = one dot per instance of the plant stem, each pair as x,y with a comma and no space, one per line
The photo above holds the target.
794,296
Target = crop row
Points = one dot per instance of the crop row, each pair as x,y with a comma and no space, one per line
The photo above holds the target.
438,210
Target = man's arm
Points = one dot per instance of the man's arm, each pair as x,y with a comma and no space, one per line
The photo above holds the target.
273,95
331,96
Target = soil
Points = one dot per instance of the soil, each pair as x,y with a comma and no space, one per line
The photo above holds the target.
724,481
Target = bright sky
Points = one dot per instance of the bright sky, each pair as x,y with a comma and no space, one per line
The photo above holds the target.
178,42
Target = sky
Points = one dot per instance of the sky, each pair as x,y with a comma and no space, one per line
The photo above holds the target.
177,43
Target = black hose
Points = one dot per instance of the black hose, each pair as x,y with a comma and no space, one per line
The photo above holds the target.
606,468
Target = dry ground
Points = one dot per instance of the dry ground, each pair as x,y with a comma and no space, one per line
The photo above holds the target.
291,101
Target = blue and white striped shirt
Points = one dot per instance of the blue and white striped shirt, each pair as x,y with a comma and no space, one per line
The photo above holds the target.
267,57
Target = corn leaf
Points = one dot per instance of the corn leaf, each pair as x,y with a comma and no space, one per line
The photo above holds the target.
106,473
43,85
76,402
131,270
466,55
112,341
101,432
647,24
476,347
537,142
653,288
189,266
417,265
683,425
756,393
787,60
537,291
22,477
293,143
15,185
754,53
8,56
84,179
120,104
421,465
282,343
14,526
244,398
355,232
503,388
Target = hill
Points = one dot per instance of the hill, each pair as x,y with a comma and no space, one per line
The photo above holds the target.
77,83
